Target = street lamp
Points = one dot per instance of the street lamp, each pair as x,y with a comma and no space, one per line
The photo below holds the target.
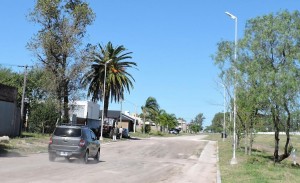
103,97
233,160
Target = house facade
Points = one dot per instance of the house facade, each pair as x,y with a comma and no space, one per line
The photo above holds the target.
122,119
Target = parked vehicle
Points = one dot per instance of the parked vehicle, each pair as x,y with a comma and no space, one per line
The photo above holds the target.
74,141
125,133
173,131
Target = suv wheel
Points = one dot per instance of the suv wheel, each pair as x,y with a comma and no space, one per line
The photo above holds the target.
86,157
52,157
97,157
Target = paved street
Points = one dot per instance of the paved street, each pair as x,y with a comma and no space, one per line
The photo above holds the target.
176,159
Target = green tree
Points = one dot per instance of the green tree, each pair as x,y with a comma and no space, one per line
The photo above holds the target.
194,127
43,116
267,72
118,79
199,120
36,92
275,52
167,120
217,123
63,25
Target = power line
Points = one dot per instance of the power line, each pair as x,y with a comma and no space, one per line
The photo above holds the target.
11,65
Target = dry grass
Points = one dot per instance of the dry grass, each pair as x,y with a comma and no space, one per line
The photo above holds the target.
28,143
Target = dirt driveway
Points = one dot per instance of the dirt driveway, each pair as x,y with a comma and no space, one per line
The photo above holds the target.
177,159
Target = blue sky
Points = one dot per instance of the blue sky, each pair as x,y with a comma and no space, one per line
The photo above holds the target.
172,42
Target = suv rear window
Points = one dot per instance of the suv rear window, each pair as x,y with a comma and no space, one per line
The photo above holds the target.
67,132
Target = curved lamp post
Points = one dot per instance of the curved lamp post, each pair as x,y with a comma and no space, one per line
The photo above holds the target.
233,160
103,97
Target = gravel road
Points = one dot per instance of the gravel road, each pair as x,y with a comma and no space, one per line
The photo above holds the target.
165,160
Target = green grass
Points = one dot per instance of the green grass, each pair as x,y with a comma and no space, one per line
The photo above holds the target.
258,167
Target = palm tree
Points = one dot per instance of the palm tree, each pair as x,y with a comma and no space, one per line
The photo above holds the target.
150,110
118,79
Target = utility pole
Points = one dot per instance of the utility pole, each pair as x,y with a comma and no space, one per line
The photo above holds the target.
23,97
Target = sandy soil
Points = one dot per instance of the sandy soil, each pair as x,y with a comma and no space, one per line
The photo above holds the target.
177,159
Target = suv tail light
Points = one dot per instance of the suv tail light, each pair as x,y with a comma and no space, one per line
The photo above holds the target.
50,141
82,143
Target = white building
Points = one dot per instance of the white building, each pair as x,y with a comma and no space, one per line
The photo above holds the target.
84,109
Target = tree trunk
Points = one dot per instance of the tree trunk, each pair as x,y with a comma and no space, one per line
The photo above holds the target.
66,102
276,129
246,144
251,140
59,99
287,151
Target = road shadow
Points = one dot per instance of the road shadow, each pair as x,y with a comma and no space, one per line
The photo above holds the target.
7,151
8,154
134,138
77,161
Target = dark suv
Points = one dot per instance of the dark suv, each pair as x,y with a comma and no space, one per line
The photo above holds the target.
74,141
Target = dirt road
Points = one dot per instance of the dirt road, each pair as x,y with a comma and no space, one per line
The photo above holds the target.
177,159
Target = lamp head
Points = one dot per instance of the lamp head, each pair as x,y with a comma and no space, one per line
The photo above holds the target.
230,15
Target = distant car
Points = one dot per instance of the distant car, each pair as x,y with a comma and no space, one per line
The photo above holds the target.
125,133
74,141
173,131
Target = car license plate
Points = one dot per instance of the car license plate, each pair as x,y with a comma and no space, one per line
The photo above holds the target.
63,153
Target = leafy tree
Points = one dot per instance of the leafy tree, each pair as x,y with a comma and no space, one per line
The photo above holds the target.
199,120
267,72
167,120
43,116
217,123
36,91
118,79
63,25
194,127
275,57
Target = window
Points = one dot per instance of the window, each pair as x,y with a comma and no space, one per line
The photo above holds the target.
67,132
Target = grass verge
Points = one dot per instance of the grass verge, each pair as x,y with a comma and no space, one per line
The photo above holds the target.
258,167
28,143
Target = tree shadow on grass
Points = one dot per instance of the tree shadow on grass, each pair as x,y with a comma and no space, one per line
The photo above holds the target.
259,156
262,154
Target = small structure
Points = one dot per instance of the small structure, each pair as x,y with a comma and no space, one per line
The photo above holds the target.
85,113
125,120
10,121
84,110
